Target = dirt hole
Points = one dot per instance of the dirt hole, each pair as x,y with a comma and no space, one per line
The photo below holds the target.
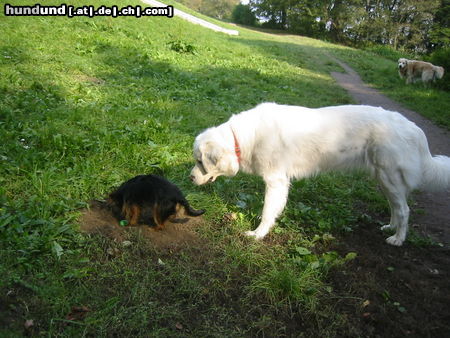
98,220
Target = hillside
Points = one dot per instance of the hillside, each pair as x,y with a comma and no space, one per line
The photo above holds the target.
87,103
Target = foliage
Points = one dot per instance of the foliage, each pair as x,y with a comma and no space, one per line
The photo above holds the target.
221,9
441,57
242,14
440,32
181,46
400,24
389,52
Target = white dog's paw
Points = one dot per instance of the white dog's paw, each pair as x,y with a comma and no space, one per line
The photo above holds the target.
394,240
254,234
388,227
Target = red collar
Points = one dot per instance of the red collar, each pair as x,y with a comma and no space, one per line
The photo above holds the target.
237,149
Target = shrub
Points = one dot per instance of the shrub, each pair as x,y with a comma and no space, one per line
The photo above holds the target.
180,46
388,52
242,14
441,57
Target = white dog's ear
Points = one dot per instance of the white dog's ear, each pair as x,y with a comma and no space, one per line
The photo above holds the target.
210,153
218,160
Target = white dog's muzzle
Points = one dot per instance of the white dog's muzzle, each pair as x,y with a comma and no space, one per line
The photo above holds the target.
198,178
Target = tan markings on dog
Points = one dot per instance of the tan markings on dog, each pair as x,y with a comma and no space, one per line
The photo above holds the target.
178,208
156,212
131,213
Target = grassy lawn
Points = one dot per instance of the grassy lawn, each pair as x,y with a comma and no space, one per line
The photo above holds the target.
88,103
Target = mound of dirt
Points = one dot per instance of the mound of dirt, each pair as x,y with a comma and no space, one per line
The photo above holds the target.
98,220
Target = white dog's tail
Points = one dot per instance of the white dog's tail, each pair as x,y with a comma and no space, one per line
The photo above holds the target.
438,72
436,175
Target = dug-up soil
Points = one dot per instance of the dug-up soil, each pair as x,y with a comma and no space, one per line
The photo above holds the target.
98,220
392,291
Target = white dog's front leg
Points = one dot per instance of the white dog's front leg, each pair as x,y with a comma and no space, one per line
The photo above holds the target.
274,202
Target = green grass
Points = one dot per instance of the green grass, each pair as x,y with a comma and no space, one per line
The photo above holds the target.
88,103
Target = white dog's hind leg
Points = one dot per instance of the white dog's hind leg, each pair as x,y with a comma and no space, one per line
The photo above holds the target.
396,192
277,190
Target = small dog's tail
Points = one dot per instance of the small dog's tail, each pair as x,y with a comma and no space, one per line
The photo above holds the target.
189,211
438,72
436,175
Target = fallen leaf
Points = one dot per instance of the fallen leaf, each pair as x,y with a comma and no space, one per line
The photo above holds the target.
126,243
434,271
401,309
229,217
77,313
29,323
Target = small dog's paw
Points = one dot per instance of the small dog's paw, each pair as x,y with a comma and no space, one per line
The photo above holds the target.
394,240
253,234
388,227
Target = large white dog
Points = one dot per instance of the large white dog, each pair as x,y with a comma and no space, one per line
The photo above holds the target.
280,143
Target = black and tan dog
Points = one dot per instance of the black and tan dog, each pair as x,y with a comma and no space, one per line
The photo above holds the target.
149,199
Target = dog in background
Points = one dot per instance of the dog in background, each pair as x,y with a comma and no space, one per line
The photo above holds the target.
149,199
413,71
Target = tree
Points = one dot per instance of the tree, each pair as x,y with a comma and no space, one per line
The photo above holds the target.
220,9
440,32
271,11
242,14
409,24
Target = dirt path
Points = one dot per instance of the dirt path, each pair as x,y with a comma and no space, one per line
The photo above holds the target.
431,213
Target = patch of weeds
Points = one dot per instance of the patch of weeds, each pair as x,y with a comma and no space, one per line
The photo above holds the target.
418,240
31,235
305,257
283,283
181,46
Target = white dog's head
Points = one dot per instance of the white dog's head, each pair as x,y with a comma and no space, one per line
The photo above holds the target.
402,62
214,157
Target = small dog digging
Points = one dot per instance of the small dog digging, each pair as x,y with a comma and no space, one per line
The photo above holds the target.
150,200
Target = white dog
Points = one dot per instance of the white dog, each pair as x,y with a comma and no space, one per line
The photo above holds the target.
280,142
414,70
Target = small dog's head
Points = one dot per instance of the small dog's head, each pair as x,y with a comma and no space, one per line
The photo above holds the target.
402,62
